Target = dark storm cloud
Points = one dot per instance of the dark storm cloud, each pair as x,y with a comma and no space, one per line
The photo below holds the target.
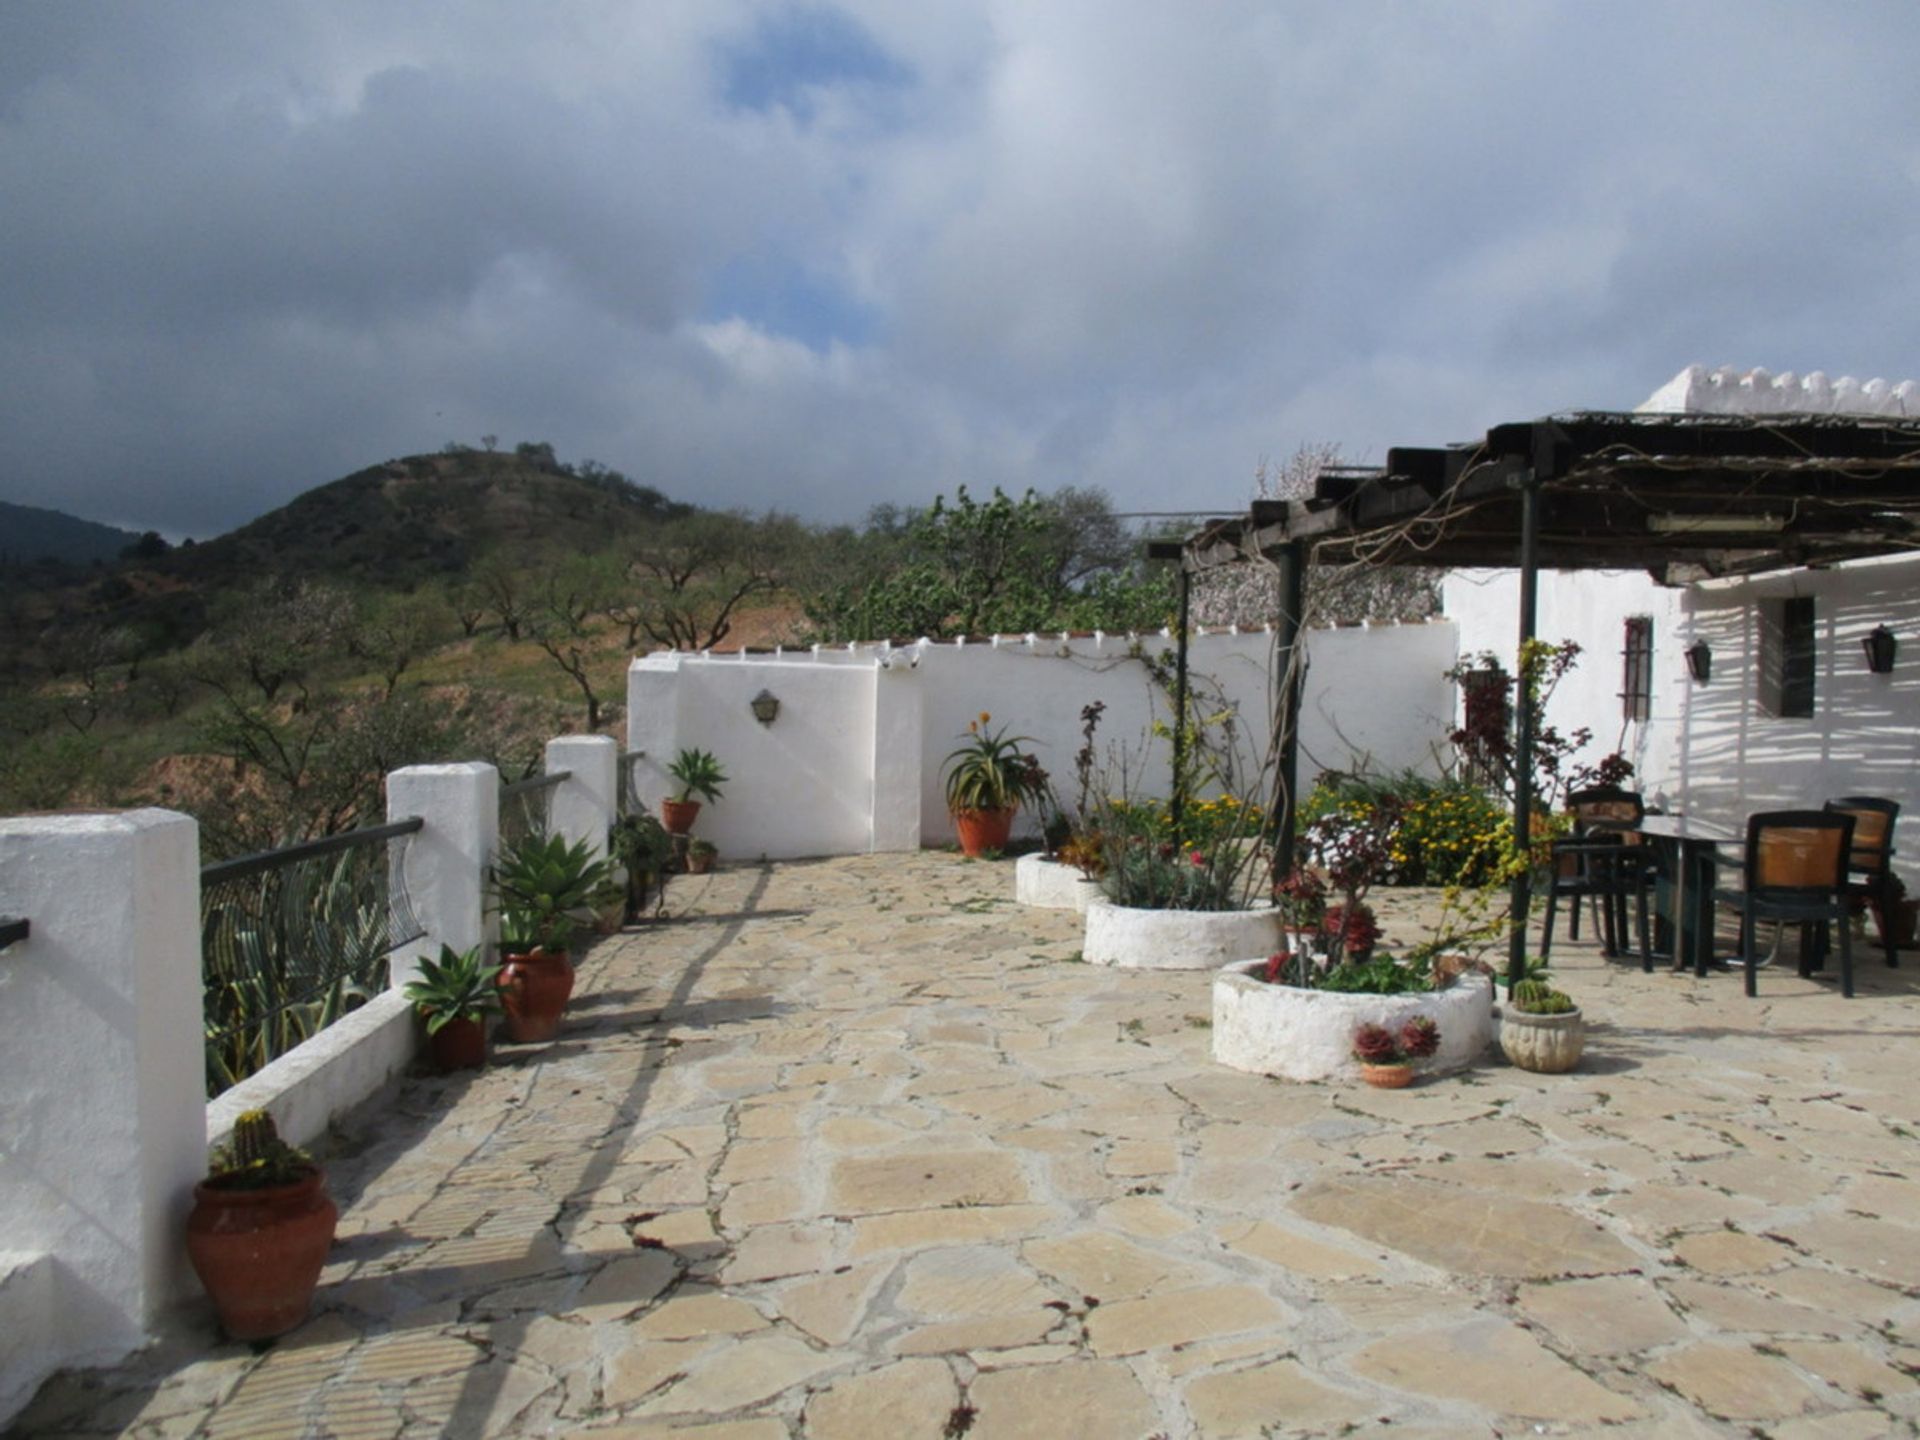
822,256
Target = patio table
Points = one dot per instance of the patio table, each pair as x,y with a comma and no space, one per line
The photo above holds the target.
1690,848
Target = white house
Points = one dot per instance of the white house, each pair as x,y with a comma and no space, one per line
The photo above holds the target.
1789,713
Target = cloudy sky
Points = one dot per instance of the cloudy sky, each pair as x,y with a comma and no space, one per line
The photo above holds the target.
817,257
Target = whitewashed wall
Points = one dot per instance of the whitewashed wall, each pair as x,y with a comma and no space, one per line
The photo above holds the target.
854,761
1710,749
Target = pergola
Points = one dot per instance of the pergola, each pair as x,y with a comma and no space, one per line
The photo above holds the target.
1686,497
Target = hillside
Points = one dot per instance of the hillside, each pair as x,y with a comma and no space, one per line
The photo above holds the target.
425,516
29,534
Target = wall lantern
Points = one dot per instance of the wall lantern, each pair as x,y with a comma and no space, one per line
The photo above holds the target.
1700,660
1880,646
765,706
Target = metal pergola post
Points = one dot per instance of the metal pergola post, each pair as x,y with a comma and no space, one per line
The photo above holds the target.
1178,805
1292,564
1529,485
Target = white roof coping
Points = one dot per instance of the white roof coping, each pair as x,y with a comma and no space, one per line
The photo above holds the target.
1697,390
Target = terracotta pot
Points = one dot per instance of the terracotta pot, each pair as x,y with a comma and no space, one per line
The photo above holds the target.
700,863
983,830
259,1252
534,989
1548,1044
1386,1077
459,1045
678,815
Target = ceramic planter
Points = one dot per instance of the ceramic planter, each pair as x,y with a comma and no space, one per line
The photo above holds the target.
534,990
1548,1044
982,830
1136,939
1386,1077
259,1252
458,1045
1296,1034
678,815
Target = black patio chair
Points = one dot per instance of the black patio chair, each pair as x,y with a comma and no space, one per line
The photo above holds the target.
1602,862
1795,873
1870,865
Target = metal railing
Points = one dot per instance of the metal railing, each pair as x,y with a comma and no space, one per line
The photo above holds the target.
292,939
524,807
13,929
627,800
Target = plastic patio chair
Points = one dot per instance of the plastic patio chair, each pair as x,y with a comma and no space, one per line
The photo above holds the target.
1795,873
1870,866
1601,863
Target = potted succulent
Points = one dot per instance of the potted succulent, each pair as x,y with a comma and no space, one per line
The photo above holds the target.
699,774
1386,1056
454,995
641,844
986,779
1541,1028
700,857
544,887
260,1229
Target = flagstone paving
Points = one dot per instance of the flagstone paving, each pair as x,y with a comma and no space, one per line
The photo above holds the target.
859,1148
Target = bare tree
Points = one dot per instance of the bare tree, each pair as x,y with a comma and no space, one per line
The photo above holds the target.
1249,595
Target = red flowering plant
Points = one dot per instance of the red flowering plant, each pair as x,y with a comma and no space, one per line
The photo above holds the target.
1351,930
1380,1045
1353,846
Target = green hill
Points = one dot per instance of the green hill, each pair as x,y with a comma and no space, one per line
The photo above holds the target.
423,516
29,534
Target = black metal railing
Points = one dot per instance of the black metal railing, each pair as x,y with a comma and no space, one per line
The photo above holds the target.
524,807
628,799
292,939
13,929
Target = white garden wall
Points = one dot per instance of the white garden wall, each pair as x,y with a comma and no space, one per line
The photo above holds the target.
1711,749
853,762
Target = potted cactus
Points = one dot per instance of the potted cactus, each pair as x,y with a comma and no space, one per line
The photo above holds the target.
544,888
260,1229
700,857
455,995
699,774
1541,1028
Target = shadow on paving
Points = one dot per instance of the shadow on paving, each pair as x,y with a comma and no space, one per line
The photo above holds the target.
91,1403
480,1388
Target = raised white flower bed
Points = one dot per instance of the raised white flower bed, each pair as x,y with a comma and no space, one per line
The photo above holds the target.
1051,885
1177,939
1299,1034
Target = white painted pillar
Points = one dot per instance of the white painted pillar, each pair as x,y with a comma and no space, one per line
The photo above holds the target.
897,756
653,724
446,860
584,805
103,1116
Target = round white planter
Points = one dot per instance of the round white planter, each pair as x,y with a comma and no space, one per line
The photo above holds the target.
1051,885
1308,1034
1177,939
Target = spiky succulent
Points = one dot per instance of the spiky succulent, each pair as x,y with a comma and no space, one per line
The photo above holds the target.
255,1156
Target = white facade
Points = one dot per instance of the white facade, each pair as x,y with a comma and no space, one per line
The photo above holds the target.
1712,749
853,763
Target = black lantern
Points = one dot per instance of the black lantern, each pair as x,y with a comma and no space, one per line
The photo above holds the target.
765,706
1880,647
1700,660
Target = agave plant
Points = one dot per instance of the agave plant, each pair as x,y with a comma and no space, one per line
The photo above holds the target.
544,888
457,986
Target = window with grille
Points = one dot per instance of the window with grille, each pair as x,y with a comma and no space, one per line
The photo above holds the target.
1786,656
1636,678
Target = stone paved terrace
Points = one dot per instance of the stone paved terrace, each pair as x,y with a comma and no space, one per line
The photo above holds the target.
857,1148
